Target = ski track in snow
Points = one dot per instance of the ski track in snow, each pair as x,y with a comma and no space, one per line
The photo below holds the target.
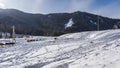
92,49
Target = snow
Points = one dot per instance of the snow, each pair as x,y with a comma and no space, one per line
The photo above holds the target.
69,24
91,21
92,49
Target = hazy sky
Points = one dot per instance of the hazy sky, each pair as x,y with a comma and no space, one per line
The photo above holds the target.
109,8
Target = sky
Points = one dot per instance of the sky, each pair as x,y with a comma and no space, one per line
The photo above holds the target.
108,8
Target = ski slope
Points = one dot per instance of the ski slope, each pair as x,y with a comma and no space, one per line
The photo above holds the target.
92,49
69,24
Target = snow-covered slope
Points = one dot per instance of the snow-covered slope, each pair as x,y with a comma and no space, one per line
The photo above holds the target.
69,24
96,49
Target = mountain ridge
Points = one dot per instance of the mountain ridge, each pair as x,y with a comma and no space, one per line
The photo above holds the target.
52,24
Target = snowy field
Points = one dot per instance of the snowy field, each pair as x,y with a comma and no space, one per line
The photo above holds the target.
96,49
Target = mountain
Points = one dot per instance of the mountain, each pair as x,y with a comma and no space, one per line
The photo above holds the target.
53,24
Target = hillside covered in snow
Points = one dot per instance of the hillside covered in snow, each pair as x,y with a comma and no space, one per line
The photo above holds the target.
93,49
53,24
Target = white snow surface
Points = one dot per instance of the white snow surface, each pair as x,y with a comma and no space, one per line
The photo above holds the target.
95,49
69,24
